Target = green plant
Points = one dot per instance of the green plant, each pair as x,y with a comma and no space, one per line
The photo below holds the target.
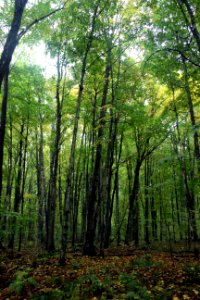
50,294
22,279
57,281
193,272
90,285
105,270
134,289
144,262
76,265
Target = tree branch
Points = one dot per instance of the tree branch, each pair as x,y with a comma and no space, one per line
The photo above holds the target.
173,50
36,21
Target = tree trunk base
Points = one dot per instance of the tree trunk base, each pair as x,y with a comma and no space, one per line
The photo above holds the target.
89,250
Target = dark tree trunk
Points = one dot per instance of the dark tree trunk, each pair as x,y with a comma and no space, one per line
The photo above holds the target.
191,22
93,199
12,39
52,192
177,203
133,217
146,192
6,56
70,171
189,194
3,127
24,175
192,115
77,190
41,182
9,177
114,120
17,198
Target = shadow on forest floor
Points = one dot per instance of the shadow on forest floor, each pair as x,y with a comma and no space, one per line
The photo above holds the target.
124,273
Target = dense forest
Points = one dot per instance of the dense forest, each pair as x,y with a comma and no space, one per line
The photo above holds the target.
105,152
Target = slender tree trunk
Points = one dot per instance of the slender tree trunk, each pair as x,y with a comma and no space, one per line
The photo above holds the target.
60,194
114,120
192,115
70,171
24,174
17,199
132,226
3,127
177,203
116,189
146,191
77,189
154,217
9,177
41,182
93,200
191,22
189,194
52,192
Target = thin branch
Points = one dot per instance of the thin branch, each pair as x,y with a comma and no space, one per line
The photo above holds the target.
173,50
36,21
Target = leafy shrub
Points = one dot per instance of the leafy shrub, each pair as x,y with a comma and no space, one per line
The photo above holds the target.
50,294
76,266
22,279
92,286
57,281
144,262
134,289
193,272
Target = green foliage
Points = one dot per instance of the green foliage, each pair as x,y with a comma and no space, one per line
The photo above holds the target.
50,294
143,262
193,272
93,286
57,281
22,279
164,295
76,266
134,289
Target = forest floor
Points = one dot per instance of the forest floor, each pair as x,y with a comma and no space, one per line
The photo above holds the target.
124,273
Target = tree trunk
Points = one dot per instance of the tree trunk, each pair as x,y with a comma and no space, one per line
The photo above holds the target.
12,39
70,171
17,198
114,120
93,199
189,194
77,189
3,127
133,218
41,182
192,22
24,174
192,115
146,192
52,192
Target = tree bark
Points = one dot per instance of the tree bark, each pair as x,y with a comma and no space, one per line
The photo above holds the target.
93,199
41,181
52,192
3,127
12,38
17,199
70,171
132,225
192,114
192,22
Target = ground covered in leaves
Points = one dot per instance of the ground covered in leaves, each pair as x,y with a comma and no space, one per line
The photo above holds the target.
124,273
